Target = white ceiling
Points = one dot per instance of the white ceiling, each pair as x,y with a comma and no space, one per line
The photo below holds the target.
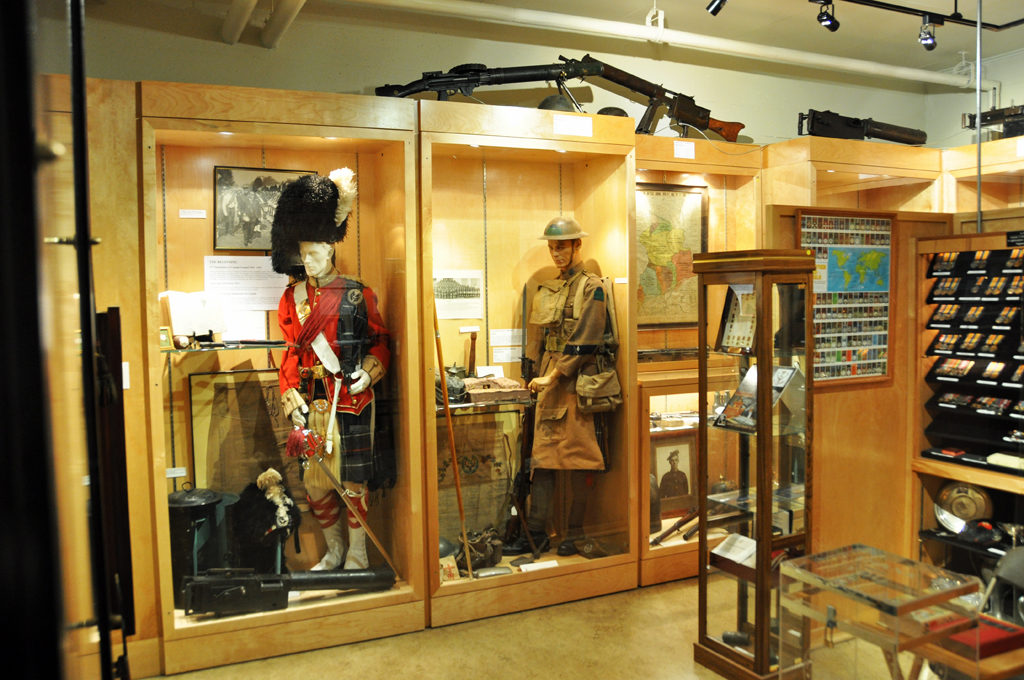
865,33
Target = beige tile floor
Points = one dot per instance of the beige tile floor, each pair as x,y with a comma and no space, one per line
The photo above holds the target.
644,633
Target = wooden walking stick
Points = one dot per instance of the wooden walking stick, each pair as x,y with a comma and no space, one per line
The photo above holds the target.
451,444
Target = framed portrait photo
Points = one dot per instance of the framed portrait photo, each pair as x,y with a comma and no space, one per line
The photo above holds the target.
244,200
671,226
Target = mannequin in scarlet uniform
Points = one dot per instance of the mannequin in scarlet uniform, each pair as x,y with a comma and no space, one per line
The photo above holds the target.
324,311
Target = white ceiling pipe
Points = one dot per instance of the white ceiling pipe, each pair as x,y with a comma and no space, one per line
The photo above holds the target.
235,22
278,22
616,29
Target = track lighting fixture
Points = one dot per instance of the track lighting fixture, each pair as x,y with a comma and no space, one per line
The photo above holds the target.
827,17
715,6
926,36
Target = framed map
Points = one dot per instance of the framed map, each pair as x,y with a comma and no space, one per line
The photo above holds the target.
852,288
671,225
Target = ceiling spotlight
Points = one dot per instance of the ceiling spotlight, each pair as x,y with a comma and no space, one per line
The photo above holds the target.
715,6
927,37
927,34
827,18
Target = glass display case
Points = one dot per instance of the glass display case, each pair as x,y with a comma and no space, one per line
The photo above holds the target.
222,460
545,524
834,602
754,448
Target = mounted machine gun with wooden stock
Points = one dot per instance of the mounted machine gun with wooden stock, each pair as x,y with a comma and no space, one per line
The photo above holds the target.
465,78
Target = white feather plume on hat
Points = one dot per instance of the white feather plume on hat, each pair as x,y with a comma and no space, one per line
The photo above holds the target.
345,180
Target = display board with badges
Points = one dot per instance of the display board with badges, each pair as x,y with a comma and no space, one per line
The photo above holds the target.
977,374
970,462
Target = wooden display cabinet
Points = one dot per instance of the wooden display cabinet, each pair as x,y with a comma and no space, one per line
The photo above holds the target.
669,413
726,176
186,131
844,173
1001,173
969,435
491,179
755,487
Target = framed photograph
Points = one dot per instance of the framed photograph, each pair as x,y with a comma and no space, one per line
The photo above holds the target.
166,340
671,225
673,457
244,200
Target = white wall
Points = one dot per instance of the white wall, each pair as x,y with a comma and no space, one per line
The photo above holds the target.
943,112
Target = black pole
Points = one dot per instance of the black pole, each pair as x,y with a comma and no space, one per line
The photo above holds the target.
29,554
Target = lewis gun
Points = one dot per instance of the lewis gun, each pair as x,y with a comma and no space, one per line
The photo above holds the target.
465,78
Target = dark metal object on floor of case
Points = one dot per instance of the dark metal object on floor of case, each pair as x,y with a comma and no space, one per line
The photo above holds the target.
225,592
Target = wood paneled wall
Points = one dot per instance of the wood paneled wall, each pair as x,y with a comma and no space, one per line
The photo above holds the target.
863,431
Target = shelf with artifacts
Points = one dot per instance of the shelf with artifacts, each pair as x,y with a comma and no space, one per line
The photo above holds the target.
492,179
692,196
968,469
755,461
213,162
847,173
1001,177
669,414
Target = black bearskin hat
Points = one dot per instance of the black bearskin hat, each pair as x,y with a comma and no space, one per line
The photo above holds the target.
311,208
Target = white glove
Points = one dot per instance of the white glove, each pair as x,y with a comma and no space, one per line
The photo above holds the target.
360,381
298,415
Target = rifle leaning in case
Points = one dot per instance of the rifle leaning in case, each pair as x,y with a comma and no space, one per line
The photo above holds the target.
243,591
830,124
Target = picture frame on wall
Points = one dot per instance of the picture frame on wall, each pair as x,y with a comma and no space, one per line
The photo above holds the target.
673,463
671,226
244,201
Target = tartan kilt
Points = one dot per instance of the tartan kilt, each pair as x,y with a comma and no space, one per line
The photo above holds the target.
352,456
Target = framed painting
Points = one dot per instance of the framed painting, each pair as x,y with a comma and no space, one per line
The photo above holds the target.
671,225
244,200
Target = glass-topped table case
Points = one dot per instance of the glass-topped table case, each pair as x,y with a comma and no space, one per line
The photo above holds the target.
860,612
754,448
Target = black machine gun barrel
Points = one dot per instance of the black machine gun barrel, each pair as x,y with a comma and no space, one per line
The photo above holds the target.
467,77
1010,117
838,126
243,591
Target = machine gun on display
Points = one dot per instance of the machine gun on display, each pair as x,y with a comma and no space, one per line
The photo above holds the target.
829,124
1011,118
465,78
243,591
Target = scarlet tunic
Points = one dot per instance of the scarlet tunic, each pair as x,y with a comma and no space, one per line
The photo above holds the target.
374,339
346,312
564,437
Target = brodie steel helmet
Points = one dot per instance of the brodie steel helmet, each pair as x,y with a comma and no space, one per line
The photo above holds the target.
563,229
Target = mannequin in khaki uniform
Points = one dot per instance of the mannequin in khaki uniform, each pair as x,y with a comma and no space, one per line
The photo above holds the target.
564,437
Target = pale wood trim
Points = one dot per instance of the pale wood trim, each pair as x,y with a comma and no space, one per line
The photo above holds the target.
223,102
